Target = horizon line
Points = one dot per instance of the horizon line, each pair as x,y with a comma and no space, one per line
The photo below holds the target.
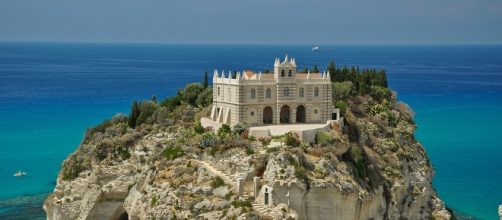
247,43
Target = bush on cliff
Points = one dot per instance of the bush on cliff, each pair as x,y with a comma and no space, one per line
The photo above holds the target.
74,165
171,102
224,131
291,139
217,182
191,93
323,138
111,148
173,152
342,90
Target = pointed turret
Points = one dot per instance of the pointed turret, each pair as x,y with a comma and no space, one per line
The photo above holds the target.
286,58
308,74
215,75
277,62
259,75
324,75
230,75
223,74
328,77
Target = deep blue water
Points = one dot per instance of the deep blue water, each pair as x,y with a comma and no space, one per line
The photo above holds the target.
51,92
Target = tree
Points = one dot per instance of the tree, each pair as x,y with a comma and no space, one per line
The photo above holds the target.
206,79
191,93
154,99
134,114
315,70
342,90
205,98
171,102
146,110
332,70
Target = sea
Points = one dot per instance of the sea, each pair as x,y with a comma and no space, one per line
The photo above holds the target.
51,92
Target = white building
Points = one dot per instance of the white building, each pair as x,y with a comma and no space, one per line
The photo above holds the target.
285,96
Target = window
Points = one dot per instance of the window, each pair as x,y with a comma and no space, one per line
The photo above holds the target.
286,91
282,73
289,73
253,93
302,93
252,113
316,92
315,111
269,93
218,91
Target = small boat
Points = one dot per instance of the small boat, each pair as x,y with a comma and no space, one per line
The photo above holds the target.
315,48
20,173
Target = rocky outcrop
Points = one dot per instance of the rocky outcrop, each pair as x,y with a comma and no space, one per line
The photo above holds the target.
372,168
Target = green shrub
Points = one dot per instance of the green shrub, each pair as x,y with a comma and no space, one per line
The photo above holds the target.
249,151
147,109
154,200
342,106
171,103
171,153
342,90
217,182
224,130
205,98
240,128
242,203
251,138
323,138
161,116
380,93
198,128
208,140
265,141
191,93
291,139
73,166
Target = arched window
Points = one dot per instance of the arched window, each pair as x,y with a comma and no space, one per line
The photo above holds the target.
316,92
302,93
289,73
269,93
218,91
282,73
286,91
253,93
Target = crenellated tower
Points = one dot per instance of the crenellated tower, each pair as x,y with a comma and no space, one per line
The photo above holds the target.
285,69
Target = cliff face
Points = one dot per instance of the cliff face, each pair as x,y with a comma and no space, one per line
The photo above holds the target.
371,168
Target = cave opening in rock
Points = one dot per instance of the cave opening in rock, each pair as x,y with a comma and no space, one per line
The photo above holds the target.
123,216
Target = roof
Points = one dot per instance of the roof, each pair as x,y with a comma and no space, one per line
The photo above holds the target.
312,75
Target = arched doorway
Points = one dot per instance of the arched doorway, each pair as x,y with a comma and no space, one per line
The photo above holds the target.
268,115
300,114
285,114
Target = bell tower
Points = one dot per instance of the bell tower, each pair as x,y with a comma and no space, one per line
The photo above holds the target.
285,70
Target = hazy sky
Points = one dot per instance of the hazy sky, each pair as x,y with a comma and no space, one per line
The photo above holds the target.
253,21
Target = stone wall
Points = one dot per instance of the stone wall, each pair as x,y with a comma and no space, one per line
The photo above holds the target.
325,202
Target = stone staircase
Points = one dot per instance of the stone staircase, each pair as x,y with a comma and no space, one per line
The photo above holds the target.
267,212
263,211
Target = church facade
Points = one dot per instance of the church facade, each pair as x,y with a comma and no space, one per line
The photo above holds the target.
282,97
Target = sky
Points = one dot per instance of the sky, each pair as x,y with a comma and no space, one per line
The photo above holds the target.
253,21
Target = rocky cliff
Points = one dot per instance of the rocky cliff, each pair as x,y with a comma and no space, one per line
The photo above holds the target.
169,168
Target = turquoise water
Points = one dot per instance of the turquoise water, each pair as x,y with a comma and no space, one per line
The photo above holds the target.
51,92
